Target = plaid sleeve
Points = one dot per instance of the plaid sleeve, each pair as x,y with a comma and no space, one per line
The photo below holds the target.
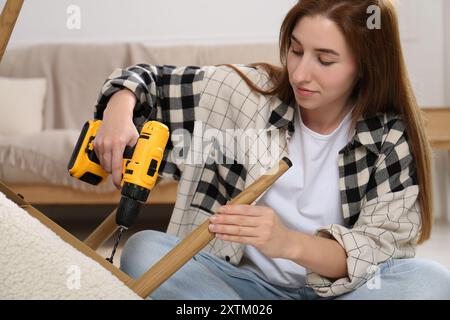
387,227
164,93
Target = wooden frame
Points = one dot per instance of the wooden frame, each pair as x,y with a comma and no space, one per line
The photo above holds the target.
172,261
164,193
438,127
8,20
66,236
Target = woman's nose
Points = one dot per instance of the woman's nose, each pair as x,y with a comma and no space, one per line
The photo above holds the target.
302,73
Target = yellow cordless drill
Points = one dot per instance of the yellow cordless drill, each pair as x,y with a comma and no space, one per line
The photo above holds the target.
140,168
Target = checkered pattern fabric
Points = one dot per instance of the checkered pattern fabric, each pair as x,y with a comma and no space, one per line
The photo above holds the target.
377,177
379,200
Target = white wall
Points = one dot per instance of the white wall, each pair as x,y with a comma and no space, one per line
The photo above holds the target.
217,21
155,21
446,14
421,28
424,25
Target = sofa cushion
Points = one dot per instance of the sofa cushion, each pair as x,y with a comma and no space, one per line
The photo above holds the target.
22,105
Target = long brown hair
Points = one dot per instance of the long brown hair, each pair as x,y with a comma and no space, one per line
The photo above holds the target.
384,84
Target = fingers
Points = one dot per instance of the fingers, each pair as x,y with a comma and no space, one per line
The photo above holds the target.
103,149
102,154
110,156
109,146
235,225
238,239
242,209
234,230
133,138
117,157
240,220
105,161
116,164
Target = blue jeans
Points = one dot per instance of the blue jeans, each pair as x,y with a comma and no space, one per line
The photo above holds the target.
209,277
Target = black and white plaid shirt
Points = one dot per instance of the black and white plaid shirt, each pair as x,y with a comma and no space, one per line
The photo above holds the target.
377,181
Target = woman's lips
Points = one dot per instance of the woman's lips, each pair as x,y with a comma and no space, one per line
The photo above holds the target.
305,92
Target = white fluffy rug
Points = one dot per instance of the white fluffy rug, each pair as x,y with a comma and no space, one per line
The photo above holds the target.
35,263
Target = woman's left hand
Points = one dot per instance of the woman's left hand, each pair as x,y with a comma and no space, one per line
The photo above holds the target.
258,226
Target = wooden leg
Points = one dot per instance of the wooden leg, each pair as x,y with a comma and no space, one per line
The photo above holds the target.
8,19
103,232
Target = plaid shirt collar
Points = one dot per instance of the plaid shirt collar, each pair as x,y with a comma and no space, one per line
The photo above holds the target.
282,115
368,132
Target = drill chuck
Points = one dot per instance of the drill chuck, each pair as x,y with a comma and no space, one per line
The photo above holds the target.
133,197
127,211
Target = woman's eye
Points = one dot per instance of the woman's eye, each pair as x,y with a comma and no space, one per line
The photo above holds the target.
322,62
325,63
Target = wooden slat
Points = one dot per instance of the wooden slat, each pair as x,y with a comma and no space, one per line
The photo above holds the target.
438,127
103,232
46,194
8,19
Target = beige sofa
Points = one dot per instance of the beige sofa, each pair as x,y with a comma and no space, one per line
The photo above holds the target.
42,117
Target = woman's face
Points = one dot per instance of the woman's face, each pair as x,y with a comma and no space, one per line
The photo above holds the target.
320,61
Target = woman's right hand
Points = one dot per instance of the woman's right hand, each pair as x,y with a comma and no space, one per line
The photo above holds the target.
115,133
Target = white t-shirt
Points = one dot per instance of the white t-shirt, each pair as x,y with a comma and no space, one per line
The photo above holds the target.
306,197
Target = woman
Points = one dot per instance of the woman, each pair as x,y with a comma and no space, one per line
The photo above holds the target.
344,221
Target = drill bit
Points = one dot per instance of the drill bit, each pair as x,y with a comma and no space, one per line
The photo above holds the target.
116,243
